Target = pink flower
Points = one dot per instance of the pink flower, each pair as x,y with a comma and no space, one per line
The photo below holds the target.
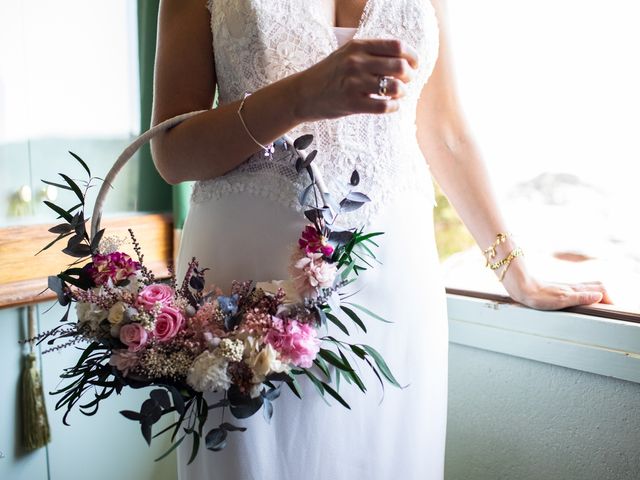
116,266
124,360
312,272
134,336
155,293
295,341
168,323
313,242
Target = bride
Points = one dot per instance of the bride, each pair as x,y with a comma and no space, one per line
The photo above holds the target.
372,81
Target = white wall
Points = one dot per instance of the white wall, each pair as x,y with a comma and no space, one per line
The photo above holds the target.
517,419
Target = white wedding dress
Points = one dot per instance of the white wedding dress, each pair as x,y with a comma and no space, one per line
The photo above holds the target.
242,226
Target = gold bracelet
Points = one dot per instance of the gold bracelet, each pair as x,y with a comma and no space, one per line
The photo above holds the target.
490,253
506,262
268,149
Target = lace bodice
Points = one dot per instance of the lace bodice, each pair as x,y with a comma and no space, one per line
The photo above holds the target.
258,42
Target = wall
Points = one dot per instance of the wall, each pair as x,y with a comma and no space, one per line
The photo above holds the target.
517,419
106,445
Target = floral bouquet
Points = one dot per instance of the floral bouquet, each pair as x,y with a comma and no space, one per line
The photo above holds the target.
184,340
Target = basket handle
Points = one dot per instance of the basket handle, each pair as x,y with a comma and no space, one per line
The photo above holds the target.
134,146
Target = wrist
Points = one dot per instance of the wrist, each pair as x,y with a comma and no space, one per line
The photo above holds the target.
514,276
297,94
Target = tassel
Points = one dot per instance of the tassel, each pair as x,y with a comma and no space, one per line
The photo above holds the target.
35,424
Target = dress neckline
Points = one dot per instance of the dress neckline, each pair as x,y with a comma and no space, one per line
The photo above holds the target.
357,31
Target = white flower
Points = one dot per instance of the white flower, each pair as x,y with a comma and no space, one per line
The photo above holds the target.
116,313
208,373
265,362
312,272
291,294
91,314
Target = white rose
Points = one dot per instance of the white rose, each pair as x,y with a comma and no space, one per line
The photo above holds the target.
208,373
265,362
116,313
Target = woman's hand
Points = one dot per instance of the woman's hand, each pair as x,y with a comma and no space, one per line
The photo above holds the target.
555,296
342,83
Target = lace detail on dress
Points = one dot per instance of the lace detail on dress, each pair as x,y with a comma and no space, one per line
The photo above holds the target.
258,42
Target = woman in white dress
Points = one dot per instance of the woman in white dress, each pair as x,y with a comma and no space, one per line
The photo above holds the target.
316,66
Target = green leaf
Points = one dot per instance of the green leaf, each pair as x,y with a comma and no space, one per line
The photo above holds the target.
334,360
335,395
54,184
337,322
382,365
74,187
173,447
194,448
322,365
60,211
294,386
84,165
354,316
368,312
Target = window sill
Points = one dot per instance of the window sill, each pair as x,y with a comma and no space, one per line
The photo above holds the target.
590,339
23,276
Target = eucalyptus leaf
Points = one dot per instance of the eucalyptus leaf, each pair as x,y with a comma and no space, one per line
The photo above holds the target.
358,197
95,241
303,142
267,410
161,397
355,178
347,205
308,159
232,428
216,439
145,428
302,198
61,228
131,415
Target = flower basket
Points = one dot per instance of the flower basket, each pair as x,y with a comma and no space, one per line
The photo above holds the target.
182,341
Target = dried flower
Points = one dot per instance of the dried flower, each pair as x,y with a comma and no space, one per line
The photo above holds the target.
114,267
313,241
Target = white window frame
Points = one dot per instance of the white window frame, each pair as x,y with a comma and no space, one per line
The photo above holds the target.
585,342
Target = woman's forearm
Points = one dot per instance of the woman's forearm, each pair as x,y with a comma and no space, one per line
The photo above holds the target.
458,168
209,145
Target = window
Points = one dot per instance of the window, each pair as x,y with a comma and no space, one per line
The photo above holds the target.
68,81
550,90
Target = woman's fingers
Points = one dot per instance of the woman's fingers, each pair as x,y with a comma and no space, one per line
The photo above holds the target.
389,48
371,85
596,287
397,68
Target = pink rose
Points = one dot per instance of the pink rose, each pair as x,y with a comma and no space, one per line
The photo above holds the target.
124,360
116,266
168,323
134,336
295,341
154,293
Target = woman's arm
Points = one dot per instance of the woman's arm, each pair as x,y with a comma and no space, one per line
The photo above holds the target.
211,144
458,168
